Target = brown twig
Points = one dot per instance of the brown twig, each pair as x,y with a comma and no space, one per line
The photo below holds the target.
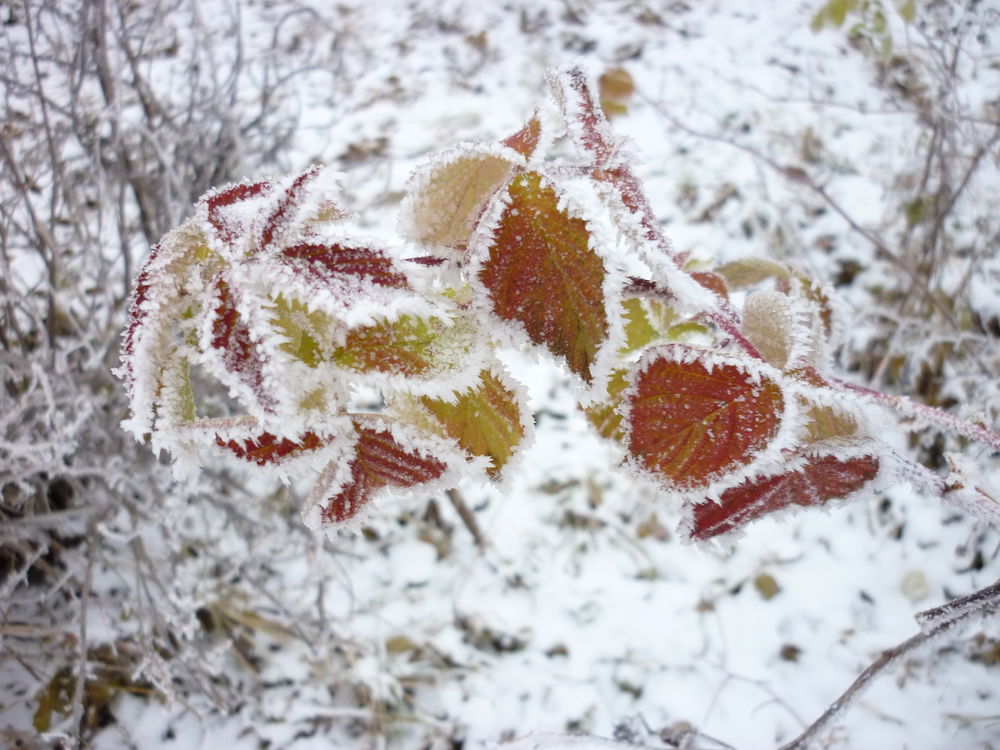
936,622
467,516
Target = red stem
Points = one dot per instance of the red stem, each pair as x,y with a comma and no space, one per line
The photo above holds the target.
907,407
598,140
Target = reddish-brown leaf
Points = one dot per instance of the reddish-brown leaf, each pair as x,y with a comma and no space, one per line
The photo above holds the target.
525,140
379,461
284,207
137,313
820,480
329,264
239,355
266,449
712,281
689,425
240,192
542,273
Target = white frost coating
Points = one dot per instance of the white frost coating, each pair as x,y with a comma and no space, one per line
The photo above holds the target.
973,490
352,299
768,461
784,329
442,220
601,241
337,474
154,332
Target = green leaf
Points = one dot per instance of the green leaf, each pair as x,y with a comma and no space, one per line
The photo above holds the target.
606,416
302,328
836,11
907,10
638,330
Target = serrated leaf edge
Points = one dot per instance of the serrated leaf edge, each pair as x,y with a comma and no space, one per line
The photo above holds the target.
767,461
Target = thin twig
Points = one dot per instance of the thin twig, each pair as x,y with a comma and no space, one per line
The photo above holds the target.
467,516
937,622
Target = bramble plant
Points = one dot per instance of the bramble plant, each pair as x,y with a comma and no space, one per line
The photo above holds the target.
717,383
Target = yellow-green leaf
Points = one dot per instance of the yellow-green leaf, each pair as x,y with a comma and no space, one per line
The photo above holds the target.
605,416
485,420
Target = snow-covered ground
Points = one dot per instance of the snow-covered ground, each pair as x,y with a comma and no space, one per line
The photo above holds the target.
585,613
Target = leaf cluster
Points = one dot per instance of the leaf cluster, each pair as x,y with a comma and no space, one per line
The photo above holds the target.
716,383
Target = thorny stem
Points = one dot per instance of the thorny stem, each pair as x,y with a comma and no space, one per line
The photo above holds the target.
935,622
916,410
611,169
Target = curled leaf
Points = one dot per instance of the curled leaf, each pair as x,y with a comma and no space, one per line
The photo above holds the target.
268,449
446,198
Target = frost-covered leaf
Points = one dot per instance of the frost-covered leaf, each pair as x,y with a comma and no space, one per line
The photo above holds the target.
745,272
828,423
486,420
340,266
237,349
606,416
541,273
266,449
769,324
409,346
639,330
712,281
692,418
816,482
379,460
446,198
526,140
283,210
308,333
819,299
230,225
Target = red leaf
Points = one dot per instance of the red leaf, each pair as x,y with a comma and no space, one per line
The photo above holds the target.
137,313
231,338
712,281
328,264
241,192
379,461
279,217
525,140
690,425
820,480
542,273
267,449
